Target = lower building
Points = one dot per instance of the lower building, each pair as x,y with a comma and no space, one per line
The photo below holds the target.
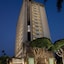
35,56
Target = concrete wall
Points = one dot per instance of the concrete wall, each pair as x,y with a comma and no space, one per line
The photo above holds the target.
21,33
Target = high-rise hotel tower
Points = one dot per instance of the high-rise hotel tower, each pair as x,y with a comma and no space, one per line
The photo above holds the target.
32,24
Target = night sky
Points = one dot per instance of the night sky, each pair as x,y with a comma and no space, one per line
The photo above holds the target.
9,12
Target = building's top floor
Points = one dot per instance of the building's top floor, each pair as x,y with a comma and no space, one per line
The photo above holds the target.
32,1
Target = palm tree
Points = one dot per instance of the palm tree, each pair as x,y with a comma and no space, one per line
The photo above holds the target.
58,4
58,48
3,59
41,43
38,45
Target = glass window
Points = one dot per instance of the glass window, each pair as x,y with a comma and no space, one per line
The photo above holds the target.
33,33
36,26
38,17
37,33
35,10
36,22
40,30
37,30
33,26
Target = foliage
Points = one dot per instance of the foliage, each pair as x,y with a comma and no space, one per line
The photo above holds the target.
58,44
41,43
59,4
3,59
46,43
58,48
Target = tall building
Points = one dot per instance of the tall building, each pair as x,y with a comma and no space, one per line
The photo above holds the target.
32,24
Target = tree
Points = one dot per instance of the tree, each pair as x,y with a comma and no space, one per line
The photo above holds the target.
58,48
59,4
3,58
41,43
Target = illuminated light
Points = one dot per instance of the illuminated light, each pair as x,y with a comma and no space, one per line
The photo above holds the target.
28,28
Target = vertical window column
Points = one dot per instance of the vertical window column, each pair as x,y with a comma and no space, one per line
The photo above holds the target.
28,33
28,24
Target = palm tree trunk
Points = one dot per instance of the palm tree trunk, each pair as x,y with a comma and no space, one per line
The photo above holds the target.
63,60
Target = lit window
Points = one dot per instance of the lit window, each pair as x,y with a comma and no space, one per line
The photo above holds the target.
34,38
40,30
28,28
33,25
33,33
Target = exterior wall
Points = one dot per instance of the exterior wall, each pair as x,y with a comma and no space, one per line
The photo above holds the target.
35,13
21,33
44,21
36,26
16,61
39,24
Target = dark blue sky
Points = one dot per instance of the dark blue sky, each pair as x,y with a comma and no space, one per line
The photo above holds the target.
9,12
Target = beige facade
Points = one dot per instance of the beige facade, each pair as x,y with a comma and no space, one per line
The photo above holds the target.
21,32
32,24
39,24
16,61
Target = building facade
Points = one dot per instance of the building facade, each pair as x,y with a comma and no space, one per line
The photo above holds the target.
32,24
